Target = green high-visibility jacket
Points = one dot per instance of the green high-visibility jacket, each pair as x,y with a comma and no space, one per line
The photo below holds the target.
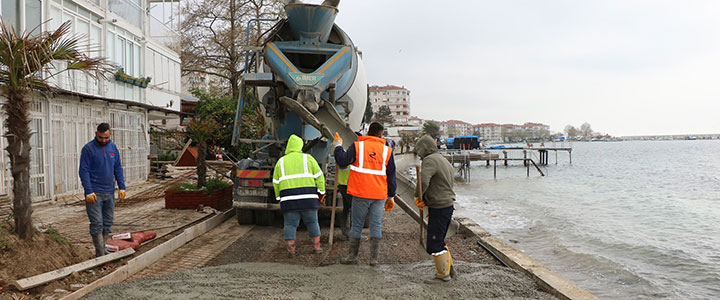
297,178
343,176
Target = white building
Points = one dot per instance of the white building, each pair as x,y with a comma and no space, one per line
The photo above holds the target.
396,98
453,128
65,121
488,132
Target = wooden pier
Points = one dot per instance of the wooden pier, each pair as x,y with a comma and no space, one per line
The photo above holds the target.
462,158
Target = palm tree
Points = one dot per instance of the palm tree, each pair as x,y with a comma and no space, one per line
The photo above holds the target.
202,132
25,65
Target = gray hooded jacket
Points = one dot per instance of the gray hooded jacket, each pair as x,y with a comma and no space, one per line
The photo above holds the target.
437,174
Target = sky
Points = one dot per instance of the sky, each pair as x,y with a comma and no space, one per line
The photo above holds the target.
627,67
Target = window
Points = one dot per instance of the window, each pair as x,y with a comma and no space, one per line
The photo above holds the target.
32,15
11,13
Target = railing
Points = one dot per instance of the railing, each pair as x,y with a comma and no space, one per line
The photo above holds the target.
128,10
164,34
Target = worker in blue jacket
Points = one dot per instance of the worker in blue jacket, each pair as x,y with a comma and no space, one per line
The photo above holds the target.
100,167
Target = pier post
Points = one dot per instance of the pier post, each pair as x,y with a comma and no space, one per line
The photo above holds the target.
525,157
556,157
527,167
570,152
495,169
505,154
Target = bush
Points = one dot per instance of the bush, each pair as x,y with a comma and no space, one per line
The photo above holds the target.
215,184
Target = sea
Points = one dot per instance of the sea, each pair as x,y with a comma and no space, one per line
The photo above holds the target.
624,220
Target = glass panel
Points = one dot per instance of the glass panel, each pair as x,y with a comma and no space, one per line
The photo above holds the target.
136,50
32,15
120,52
69,5
11,13
110,47
129,64
95,35
55,15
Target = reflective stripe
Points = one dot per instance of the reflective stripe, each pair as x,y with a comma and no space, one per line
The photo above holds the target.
368,171
306,174
296,197
439,253
295,176
321,192
305,169
282,167
362,153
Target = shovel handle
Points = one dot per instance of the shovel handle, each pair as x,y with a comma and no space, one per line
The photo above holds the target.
334,203
420,196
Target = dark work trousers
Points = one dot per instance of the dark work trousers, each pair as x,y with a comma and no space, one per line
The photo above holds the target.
347,203
438,223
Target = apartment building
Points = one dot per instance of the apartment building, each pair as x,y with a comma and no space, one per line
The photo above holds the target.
396,98
452,128
135,41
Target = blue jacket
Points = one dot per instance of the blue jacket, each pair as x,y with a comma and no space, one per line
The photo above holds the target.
99,168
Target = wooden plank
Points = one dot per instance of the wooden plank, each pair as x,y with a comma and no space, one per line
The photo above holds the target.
30,282
119,275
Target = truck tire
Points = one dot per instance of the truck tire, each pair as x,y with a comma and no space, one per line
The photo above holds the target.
244,216
264,218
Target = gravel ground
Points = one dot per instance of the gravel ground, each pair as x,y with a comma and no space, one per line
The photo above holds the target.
256,266
280,281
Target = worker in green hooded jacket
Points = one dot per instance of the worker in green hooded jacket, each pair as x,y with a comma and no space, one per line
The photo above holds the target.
436,176
300,187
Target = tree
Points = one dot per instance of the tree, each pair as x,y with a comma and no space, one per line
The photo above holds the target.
368,108
222,111
571,131
24,60
202,131
213,36
585,129
405,140
432,129
384,115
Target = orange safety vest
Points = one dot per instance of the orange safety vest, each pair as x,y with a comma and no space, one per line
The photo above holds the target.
368,176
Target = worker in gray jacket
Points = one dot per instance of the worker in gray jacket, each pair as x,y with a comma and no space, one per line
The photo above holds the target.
437,176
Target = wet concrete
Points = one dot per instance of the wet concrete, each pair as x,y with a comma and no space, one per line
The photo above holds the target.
282,281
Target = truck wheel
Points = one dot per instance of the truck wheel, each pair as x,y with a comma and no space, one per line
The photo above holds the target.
264,218
244,216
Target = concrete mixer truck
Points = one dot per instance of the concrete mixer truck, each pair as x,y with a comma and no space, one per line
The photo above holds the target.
310,80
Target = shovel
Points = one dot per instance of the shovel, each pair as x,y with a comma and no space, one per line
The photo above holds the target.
420,246
332,216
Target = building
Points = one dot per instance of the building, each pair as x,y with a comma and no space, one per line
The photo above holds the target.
415,121
396,98
65,120
488,132
452,128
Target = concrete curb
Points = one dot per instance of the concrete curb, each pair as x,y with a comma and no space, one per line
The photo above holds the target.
549,281
144,260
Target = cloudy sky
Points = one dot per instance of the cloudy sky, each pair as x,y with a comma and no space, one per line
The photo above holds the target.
627,67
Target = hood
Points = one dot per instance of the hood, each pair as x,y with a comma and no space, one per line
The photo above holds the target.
294,144
425,146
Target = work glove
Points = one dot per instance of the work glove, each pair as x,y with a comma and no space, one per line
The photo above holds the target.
91,198
121,195
337,141
389,204
322,198
419,204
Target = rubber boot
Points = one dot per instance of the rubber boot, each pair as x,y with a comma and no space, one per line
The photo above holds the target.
346,229
106,236
353,248
316,244
291,248
374,251
99,244
443,266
